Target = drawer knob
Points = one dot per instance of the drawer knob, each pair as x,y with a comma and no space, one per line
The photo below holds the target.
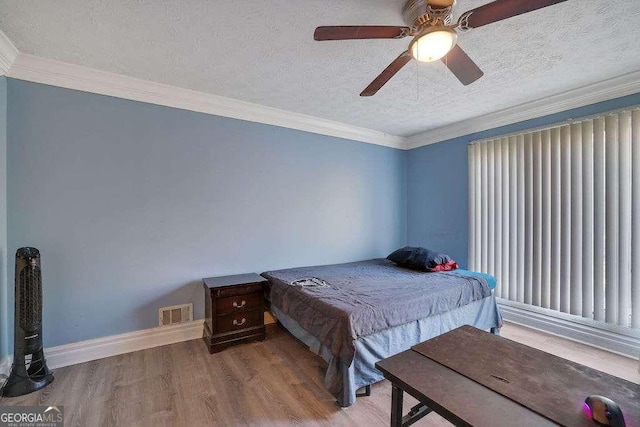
242,304
240,323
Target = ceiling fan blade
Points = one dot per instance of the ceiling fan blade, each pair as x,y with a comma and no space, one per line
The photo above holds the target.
386,75
360,32
502,9
462,66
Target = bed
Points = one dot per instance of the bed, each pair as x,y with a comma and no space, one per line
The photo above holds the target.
358,313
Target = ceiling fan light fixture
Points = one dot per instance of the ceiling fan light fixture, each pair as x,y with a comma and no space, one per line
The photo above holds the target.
433,44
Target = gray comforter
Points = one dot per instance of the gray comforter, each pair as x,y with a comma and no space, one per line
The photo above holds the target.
366,297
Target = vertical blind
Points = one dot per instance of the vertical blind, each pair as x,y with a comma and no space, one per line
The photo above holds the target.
554,214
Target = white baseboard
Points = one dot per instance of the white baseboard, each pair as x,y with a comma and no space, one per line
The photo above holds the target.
596,334
85,351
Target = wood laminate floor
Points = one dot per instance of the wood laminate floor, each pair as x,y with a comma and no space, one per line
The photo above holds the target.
271,383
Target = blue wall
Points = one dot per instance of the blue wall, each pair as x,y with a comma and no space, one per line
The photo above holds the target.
131,204
4,300
437,199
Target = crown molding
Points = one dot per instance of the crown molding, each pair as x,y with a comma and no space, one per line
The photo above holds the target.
36,69
8,54
627,84
56,73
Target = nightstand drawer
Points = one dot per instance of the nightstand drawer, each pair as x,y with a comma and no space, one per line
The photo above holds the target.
239,303
238,321
239,290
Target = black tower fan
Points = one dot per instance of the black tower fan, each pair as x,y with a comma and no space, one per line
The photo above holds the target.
29,371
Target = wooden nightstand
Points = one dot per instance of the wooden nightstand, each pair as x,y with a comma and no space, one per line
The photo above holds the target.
234,310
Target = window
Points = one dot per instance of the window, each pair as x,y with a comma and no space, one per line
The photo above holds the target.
554,214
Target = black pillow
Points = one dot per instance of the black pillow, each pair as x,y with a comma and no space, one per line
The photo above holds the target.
402,255
418,258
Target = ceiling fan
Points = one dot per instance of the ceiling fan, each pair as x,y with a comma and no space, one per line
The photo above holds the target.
429,22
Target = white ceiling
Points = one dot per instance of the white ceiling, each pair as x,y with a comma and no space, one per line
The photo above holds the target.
263,52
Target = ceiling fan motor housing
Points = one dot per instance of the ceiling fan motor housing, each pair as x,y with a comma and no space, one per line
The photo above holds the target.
417,13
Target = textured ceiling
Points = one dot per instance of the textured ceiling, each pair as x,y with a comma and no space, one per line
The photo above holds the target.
263,52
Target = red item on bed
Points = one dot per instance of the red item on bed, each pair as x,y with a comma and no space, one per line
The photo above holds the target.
448,266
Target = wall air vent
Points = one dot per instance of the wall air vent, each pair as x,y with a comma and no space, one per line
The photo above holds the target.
175,314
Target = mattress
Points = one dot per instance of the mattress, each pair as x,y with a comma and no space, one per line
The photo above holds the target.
358,299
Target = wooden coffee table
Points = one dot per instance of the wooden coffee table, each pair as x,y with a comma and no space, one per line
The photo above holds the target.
474,378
